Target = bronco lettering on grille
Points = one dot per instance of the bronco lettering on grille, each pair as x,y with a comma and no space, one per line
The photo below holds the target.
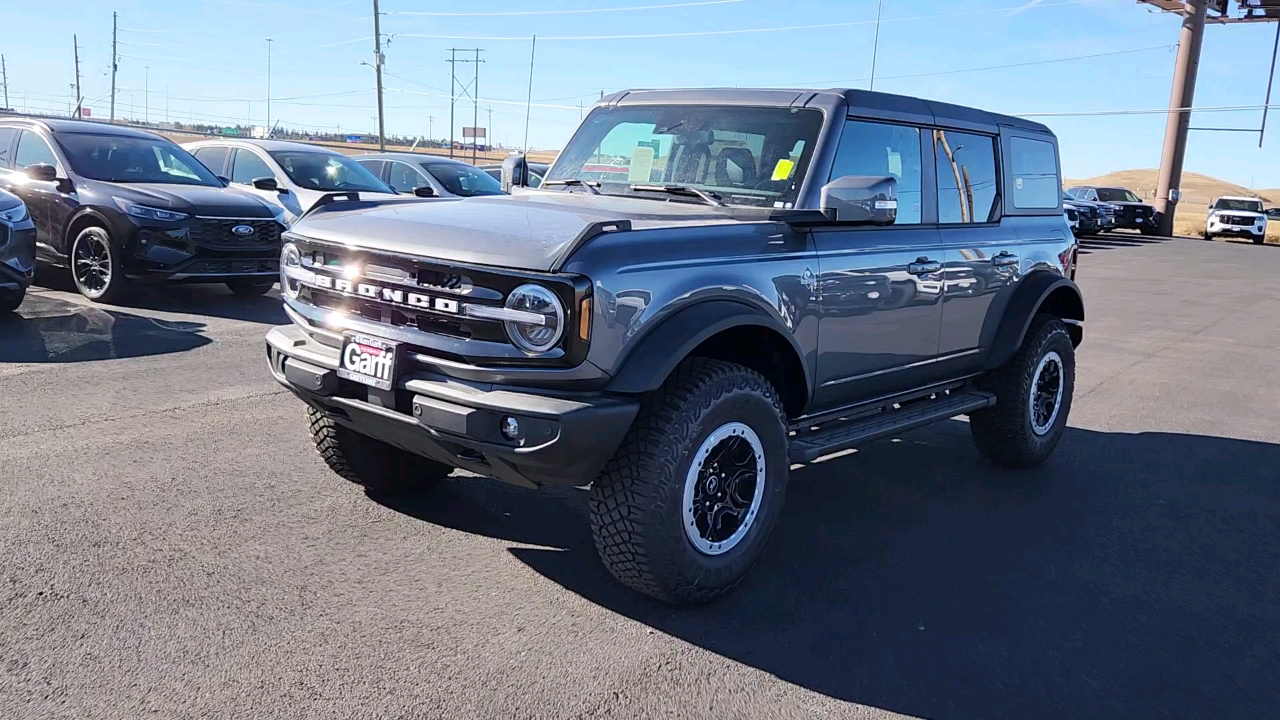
392,295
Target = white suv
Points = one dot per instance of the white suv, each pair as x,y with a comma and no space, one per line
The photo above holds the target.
1239,216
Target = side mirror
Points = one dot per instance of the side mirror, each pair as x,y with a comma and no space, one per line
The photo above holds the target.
266,183
225,180
42,172
863,199
424,191
515,170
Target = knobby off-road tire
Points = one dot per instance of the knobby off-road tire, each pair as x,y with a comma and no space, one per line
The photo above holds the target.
1007,434
689,458
249,287
10,300
379,467
96,266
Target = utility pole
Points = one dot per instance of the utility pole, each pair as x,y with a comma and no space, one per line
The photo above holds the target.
166,102
377,69
268,86
468,90
146,94
4,78
76,45
488,132
431,119
875,46
114,59
1179,118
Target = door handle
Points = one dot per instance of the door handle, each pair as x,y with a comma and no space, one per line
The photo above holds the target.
1004,259
924,266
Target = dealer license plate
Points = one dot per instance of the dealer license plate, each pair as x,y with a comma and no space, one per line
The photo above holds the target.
368,360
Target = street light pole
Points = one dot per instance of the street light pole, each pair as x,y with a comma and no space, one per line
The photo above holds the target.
269,86
377,68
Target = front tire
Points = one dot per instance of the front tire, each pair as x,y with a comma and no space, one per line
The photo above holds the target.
1033,398
379,467
1208,236
684,509
10,300
250,287
1259,239
95,266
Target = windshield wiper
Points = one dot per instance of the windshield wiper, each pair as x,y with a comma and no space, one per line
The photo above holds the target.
590,185
707,196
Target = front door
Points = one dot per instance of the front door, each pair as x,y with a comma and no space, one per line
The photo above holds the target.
880,287
48,205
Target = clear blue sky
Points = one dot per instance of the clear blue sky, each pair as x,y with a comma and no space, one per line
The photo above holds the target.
209,58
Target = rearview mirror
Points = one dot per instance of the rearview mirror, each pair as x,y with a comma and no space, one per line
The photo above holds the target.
266,183
424,191
42,172
514,170
864,199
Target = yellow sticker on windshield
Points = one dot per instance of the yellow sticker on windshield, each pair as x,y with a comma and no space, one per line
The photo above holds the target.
783,169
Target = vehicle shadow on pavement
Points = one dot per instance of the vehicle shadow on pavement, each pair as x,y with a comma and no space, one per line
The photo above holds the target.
1132,576
50,330
210,301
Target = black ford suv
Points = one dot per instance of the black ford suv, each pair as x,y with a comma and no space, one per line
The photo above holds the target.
1130,212
709,287
117,205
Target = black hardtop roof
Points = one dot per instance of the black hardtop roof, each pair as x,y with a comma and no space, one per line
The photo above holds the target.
858,102
61,125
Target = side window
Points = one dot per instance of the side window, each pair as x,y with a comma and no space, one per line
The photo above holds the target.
6,142
247,167
878,149
404,178
214,158
33,150
966,166
1035,174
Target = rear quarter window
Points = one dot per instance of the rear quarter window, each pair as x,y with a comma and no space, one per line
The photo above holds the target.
1035,174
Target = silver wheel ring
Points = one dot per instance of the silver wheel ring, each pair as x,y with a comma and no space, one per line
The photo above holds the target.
86,235
1049,357
721,433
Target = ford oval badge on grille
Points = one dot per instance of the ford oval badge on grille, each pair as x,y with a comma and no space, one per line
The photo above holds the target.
242,230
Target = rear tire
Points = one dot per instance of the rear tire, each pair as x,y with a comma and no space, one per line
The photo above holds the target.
246,287
379,467
10,300
95,266
684,509
1033,398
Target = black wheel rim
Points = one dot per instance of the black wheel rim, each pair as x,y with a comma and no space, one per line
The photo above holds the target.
92,263
1046,393
724,489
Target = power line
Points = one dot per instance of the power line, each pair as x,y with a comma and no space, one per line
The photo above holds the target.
584,11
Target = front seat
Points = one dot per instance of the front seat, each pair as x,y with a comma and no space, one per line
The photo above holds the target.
741,159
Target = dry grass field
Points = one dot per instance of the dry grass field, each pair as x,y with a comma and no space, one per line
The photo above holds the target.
1197,192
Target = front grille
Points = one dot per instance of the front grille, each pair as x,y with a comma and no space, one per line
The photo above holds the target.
219,233
230,267
1235,220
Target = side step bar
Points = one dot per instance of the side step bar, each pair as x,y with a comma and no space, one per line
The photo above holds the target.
842,435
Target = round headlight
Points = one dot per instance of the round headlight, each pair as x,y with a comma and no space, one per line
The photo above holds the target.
289,258
535,337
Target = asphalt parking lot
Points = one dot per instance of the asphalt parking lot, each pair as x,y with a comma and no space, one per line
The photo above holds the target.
172,546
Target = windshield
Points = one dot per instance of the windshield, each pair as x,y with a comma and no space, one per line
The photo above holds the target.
1241,205
748,156
463,180
115,158
1116,195
330,173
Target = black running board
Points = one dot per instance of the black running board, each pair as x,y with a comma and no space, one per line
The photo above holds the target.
841,435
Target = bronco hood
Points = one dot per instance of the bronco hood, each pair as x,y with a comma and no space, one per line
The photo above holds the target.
528,231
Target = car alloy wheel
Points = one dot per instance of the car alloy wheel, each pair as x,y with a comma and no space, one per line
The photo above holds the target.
1046,393
723,489
92,264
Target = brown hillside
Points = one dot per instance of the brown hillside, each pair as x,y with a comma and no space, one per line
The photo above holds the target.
1197,190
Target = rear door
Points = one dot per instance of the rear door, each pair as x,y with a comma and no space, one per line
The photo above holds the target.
880,287
213,157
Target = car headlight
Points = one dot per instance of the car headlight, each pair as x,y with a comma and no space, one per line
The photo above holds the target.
128,207
14,214
291,271
545,325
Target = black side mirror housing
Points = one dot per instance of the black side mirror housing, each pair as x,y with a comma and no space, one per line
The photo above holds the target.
42,172
225,180
861,199
424,191
515,169
266,183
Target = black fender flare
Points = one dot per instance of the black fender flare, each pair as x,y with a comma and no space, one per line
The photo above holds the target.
652,358
81,214
1028,299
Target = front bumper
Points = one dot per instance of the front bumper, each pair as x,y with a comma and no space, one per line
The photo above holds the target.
1249,231
188,251
17,255
566,438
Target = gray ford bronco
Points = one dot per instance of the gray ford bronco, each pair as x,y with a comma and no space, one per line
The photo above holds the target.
709,287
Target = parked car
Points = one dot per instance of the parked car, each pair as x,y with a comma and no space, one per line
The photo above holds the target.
1073,219
290,175
1088,220
17,251
1106,212
1273,213
429,175
118,206
1131,213
1238,216
536,172
659,334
